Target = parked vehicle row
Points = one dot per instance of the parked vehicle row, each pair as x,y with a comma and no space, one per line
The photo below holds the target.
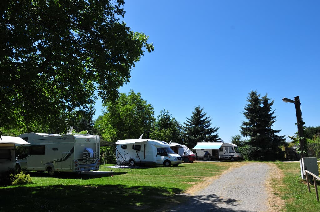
76,153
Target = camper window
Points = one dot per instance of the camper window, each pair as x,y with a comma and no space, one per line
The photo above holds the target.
37,150
123,146
5,154
136,147
162,152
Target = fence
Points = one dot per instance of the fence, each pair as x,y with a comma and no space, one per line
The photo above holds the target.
315,178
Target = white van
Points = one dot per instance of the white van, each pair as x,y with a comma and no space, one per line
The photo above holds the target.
62,153
145,151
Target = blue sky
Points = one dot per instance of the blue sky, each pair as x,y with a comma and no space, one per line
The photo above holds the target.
212,53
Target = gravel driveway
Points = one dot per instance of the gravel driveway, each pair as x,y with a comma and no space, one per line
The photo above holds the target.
241,189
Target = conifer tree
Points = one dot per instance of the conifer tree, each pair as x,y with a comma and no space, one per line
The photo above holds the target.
263,141
198,129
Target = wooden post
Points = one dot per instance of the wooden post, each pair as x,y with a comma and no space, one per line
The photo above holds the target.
308,181
315,185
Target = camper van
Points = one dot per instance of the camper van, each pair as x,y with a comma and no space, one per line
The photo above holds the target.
8,152
60,153
217,151
145,151
187,155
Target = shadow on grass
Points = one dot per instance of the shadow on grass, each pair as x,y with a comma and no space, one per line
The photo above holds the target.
204,203
84,176
85,198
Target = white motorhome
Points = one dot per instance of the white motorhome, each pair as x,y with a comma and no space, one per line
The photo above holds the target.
145,151
60,153
217,151
8,152
182,150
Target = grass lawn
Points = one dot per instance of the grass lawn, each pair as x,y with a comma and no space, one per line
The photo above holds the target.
295,191
138,189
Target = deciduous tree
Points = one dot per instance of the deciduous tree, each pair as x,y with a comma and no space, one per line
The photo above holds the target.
126,118
56,54
166,128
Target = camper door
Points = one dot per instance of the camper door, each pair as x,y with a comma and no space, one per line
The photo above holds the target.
161,154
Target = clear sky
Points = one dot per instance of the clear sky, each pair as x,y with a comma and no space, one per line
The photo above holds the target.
213,53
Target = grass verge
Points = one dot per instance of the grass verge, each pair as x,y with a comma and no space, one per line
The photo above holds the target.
294,190
138,189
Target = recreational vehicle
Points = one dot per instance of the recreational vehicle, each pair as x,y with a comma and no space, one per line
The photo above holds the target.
60,153
145,151
8,152
217,151
182,150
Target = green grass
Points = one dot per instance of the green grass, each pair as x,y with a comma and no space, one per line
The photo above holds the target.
139,189
295,191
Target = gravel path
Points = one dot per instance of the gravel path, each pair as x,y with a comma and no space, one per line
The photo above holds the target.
241,189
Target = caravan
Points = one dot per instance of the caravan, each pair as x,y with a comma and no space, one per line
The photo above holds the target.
145,151
62,153
217,151
182,150
8,152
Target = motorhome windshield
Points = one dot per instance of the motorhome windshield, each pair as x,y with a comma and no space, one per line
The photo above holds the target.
169,150
164,151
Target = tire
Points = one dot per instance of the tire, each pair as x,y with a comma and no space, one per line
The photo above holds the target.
50,171
166,163
206,158
186,160
132,162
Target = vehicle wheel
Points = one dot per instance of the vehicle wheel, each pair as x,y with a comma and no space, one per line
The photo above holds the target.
186,160
50,171
167,163
132,162
205,158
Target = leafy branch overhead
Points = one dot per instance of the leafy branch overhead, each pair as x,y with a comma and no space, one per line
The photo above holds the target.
56,54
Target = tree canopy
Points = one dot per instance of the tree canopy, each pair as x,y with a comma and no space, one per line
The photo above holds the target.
166,128
263,140
56,54
198,129
126,118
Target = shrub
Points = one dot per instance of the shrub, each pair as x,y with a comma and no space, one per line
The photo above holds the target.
21,179
107,154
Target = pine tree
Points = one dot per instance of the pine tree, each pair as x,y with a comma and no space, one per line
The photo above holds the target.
198,129
260,117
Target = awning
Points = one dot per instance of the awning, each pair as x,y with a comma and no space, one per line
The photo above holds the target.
208,145
12,140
